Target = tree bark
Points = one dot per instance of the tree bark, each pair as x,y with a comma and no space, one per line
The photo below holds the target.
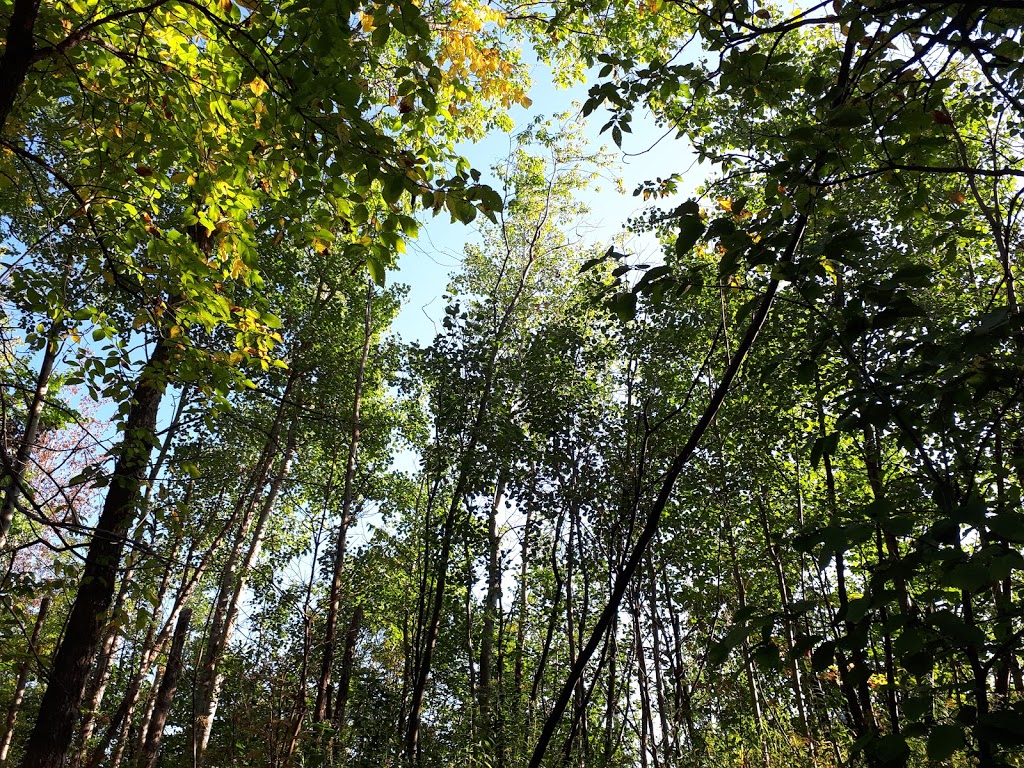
28,440
165,696
51,737
211,677
485,693
347,664
19,687
334,598
17,56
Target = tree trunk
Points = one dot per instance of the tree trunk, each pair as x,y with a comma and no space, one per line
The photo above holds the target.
165,696
111,643
788,629
347,663
19,687
245,508
211,677
486,695
524,570
667,732
748,663
422,673
152,646
51,737
28,440
17,58
334,599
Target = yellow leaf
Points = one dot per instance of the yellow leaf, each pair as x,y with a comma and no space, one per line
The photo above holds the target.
726,203
258,86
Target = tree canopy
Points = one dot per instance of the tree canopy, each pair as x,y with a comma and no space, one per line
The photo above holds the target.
756,501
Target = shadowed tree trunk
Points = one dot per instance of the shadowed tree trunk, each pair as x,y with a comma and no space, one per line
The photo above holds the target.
28,439
17,58
485,693
211,678
165,695
19,687
51,737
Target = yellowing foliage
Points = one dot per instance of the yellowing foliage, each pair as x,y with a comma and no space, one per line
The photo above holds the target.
469,57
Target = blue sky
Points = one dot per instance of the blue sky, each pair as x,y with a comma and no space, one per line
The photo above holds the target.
647,153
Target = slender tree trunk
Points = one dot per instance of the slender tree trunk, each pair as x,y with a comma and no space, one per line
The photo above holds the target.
538,673
790,633
334,598
667,732
748,662
485,692
212,678
611,700
100,679
152,646
347,664
35,411
524,570
570,615
682,692
165,696
858,697
22,683
245,508
297,711
647,741
422,673
51,737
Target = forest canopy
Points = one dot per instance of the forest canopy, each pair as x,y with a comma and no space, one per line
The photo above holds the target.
754,501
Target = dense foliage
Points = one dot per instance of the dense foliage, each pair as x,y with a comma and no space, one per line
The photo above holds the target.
755,502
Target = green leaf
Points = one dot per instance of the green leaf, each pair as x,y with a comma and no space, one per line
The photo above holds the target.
376,269
848,117
823,656
944,740
392,188
623,305
1009,525
892,748
1005,726
691,227
956,629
